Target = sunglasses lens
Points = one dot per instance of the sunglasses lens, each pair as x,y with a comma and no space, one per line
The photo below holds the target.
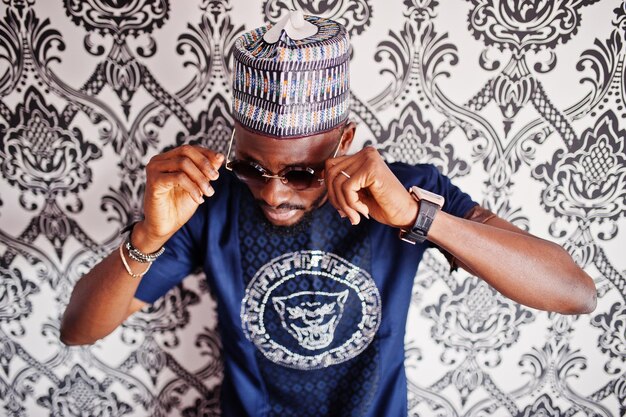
301,180
298,179
247,173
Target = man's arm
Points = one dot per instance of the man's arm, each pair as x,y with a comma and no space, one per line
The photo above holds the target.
525,268
104,297
176,182
532,271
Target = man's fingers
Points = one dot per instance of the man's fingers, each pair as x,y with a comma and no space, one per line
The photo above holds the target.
206,160
180,179
345,180
342,205
330,176
351,190
216,159
348,193
187,166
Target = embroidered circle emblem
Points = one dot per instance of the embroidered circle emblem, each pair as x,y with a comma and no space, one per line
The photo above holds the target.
310,310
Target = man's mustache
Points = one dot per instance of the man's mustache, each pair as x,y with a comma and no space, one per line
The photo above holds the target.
288,206
283,206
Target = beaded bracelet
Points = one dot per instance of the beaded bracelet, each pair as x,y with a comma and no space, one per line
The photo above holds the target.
139,256
134,253
130,272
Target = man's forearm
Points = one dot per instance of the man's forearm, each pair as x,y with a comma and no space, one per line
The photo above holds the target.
525,268
99,302
102,298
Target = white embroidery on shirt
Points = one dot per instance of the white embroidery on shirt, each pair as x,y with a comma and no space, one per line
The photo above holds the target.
311,323
310,317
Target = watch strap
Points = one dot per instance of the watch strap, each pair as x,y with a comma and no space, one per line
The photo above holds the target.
425,216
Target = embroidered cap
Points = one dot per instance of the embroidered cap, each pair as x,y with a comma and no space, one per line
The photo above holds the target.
292,79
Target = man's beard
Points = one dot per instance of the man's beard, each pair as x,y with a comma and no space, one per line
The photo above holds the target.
300,226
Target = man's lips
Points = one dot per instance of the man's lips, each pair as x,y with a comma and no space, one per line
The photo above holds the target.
279,214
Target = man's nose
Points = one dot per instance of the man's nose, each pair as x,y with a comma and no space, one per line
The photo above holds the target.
275,193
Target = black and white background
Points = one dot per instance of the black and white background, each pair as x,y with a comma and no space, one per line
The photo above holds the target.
522,103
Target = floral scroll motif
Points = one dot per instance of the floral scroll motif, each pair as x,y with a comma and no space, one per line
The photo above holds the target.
119,18
39,154
542,407
477,323
15,304
82,395
476,318
588,180
527,24
413,140
613,340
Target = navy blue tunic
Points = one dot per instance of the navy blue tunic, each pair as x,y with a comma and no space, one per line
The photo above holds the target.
312,322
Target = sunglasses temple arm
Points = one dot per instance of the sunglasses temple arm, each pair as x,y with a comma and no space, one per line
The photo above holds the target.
338,145
337,150
230,144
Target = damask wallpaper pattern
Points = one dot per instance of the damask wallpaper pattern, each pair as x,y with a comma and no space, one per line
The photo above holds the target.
522,103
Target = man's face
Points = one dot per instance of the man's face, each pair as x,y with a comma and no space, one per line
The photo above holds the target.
281,204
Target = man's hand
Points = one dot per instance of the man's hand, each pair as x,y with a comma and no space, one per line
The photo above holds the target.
176,183
371,190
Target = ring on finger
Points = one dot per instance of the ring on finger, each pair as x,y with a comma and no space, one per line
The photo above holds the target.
345,173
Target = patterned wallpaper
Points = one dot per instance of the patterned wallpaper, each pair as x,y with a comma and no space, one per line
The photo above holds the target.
522,103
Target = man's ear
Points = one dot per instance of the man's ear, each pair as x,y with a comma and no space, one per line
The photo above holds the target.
348,136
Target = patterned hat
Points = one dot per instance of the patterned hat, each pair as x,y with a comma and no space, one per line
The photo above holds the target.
292,79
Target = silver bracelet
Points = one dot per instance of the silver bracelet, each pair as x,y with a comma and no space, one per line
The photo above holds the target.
127,267
137,255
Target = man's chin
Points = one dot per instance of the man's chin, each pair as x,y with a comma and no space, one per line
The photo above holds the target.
293,225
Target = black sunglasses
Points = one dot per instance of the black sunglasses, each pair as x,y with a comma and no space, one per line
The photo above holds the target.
298,178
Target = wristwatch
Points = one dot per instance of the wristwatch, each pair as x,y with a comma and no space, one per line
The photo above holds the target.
428,205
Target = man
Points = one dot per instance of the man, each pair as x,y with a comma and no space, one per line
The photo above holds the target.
310,252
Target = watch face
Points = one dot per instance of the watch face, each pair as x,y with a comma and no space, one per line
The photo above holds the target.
422,194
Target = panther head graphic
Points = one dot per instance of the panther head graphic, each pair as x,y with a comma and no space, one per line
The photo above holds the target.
311,317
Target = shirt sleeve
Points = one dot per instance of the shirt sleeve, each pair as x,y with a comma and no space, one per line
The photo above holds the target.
457,202
428,177
181,258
